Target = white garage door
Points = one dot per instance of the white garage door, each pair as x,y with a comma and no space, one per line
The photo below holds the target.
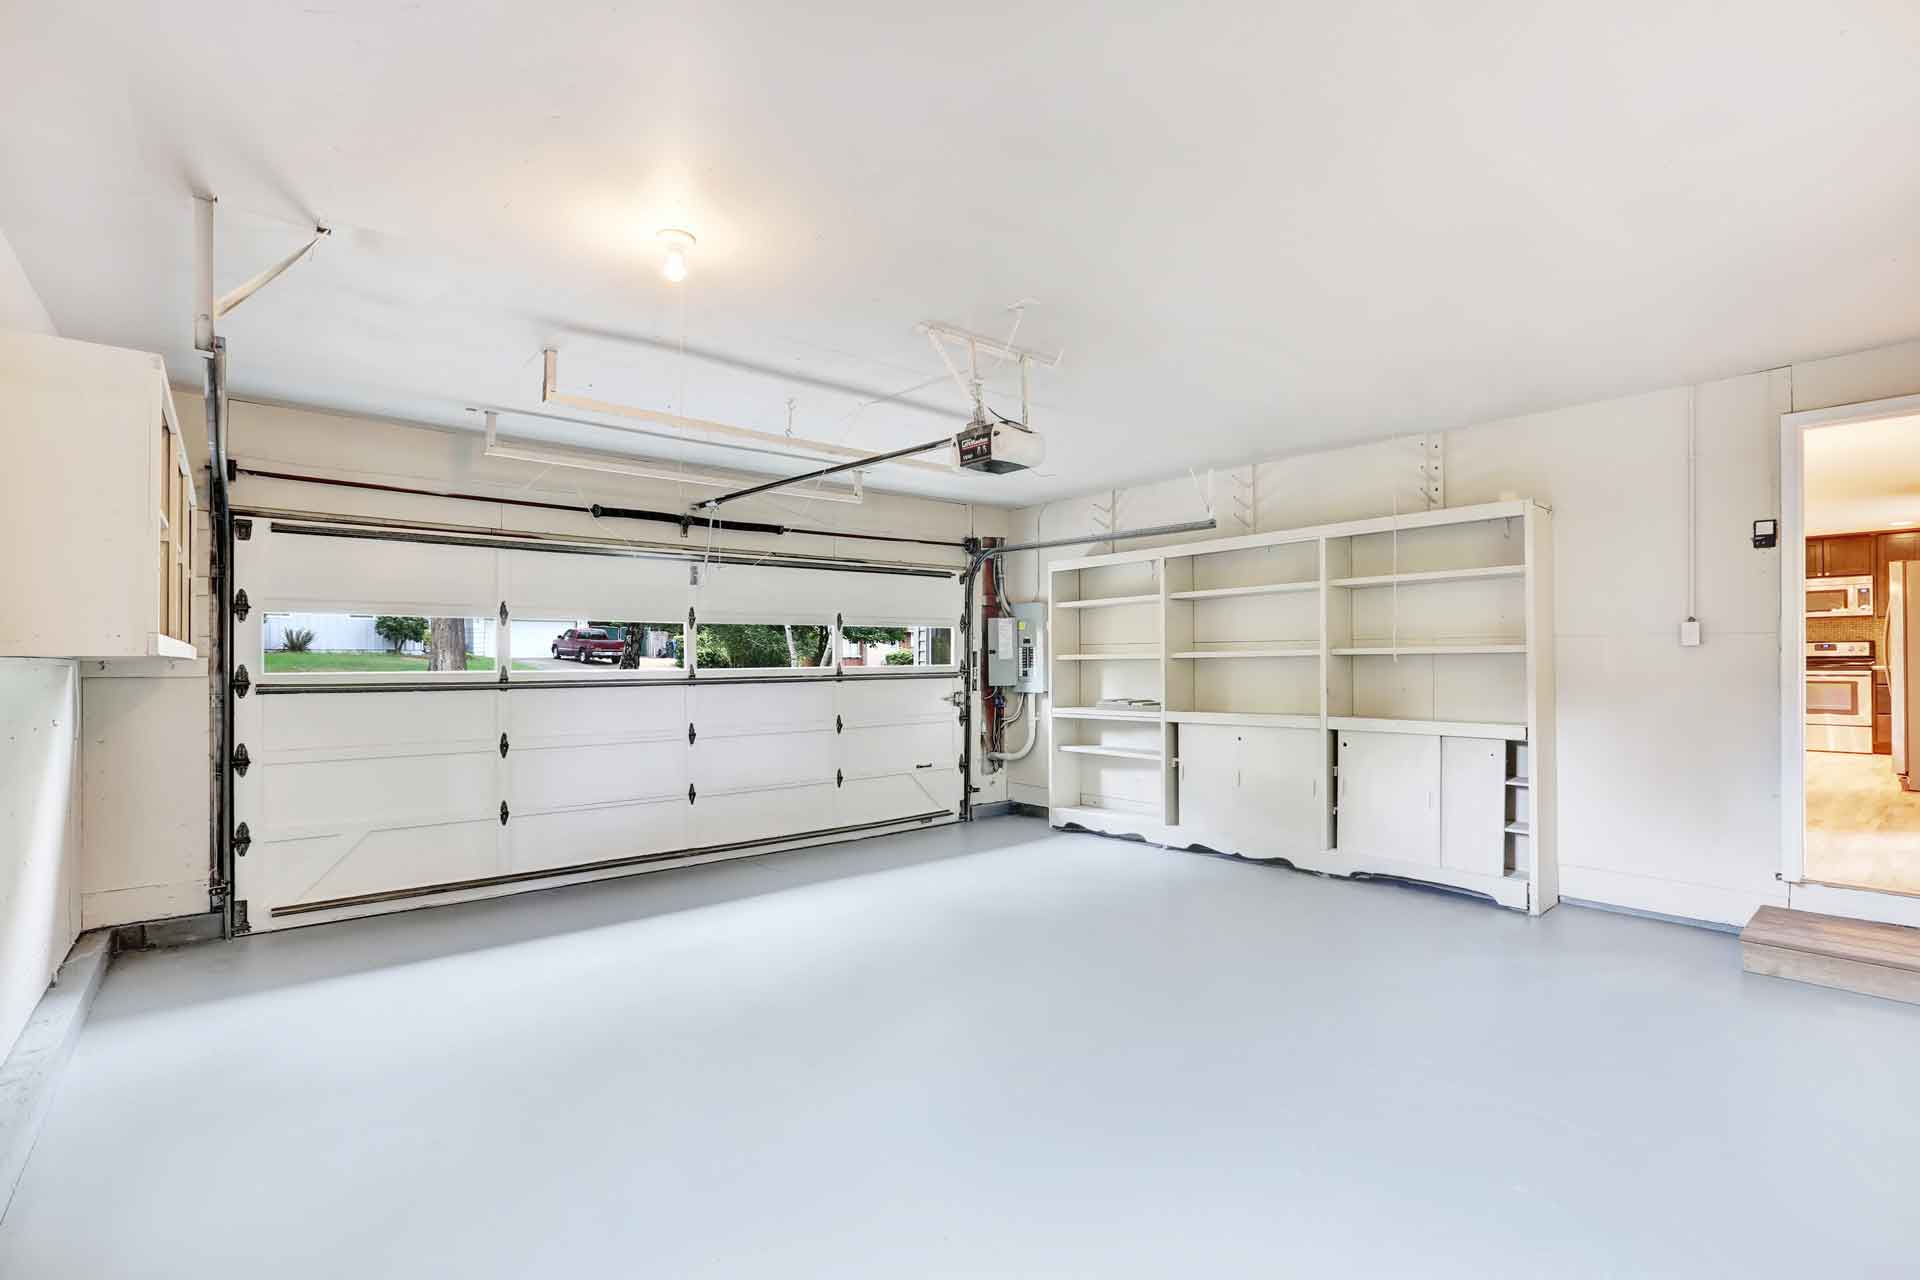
373,784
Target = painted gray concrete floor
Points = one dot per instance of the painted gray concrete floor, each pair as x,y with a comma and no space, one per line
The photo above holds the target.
983,1051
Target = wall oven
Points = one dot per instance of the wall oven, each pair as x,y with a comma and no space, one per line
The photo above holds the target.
1839,597
1840,696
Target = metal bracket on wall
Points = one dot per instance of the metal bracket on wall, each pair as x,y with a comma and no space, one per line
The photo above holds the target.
241,605
241,682
241,760
242,840
1433,469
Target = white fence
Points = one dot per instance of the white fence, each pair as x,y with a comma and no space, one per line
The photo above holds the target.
354,633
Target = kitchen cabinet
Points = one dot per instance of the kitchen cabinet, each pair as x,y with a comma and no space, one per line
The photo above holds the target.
1252,791
1850,555
1887,548
1389,796
1473,804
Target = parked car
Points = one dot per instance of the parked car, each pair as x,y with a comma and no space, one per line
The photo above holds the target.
585,644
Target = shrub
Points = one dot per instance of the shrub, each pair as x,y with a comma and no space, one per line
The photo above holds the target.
900,658
397,631
296,640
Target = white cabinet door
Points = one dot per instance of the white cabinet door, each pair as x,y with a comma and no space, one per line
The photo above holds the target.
1389,796
1473,804
1282,803
1209,769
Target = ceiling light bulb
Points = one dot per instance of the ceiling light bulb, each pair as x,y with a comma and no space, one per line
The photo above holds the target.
677,243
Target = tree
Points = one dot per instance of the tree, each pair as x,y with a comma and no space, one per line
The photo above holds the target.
878,635
447,645
398,631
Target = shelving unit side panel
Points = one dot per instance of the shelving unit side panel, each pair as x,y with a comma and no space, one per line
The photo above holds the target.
1542,792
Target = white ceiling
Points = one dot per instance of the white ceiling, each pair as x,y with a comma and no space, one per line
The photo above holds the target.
1863,475
1253,229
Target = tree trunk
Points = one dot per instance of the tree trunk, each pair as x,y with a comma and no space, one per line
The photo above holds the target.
793,659
447,644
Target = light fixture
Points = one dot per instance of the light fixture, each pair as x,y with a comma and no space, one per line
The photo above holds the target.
678,242
1898,524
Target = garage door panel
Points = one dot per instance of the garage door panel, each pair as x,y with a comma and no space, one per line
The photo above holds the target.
878,700
302,571
900,749
762,760
542,717
760,707
548,840
351,863
762,815
900,795
337,721
542,779
340,794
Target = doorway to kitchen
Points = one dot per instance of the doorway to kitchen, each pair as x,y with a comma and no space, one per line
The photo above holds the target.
1851,651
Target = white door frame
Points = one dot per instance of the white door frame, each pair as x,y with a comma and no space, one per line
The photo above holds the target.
1793,611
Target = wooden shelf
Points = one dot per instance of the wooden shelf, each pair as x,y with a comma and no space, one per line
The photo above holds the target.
1441,728
1223,593
1438,575
1107,602
1308,650
164,646
1122,753
1105,713
1411,650
1150,656
1519,828
1245,719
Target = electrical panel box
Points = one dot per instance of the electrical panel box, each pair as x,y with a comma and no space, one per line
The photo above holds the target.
1016,650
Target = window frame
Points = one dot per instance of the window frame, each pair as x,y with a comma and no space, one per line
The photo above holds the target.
949,625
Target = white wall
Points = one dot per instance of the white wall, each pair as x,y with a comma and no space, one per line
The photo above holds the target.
39,858
20,305
1669,757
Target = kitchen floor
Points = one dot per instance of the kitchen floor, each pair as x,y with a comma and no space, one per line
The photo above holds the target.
1863,830
988,1050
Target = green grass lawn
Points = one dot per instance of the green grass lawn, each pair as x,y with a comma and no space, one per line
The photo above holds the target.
281,660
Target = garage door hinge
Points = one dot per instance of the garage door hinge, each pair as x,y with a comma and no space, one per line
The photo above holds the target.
503,675
241,605
217,889
503,813
242,840
690,793
690,619
840,621
242,529
240,924
241,759
839,725
690,733
503,613
241,682
503,746
839,778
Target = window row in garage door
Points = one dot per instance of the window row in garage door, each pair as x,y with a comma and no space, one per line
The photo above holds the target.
359,799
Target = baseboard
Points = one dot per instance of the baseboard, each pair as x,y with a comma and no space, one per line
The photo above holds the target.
1692,922
30,1076
1009,809
1678,899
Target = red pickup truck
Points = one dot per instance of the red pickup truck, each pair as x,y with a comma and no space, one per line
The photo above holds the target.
584,644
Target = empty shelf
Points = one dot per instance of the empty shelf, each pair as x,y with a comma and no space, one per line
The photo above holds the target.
1105,602
1123,753
1246,719
1442,728
1256,651
1408,650
1222,593
1436,575
1518,782
1520,828
1150,655
1104,713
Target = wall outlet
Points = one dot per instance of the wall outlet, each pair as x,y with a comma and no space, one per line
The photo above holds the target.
1690,633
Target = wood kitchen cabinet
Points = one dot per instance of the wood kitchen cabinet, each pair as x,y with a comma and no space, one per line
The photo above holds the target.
1888,547
1850,555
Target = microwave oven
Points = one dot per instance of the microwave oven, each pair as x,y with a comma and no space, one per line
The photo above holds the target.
1839,597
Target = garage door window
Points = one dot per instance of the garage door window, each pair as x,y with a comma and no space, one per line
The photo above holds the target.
889,648
294,644
597,646
762,646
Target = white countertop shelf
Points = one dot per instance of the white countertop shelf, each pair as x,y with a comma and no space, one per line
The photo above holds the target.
1141,715
1122,753
1434,575
1263,589
1413,650
1256,651
1441,728
1152,655
1246,719
1106,602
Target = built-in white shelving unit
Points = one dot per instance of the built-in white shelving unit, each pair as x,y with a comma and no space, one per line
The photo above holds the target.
1373,697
